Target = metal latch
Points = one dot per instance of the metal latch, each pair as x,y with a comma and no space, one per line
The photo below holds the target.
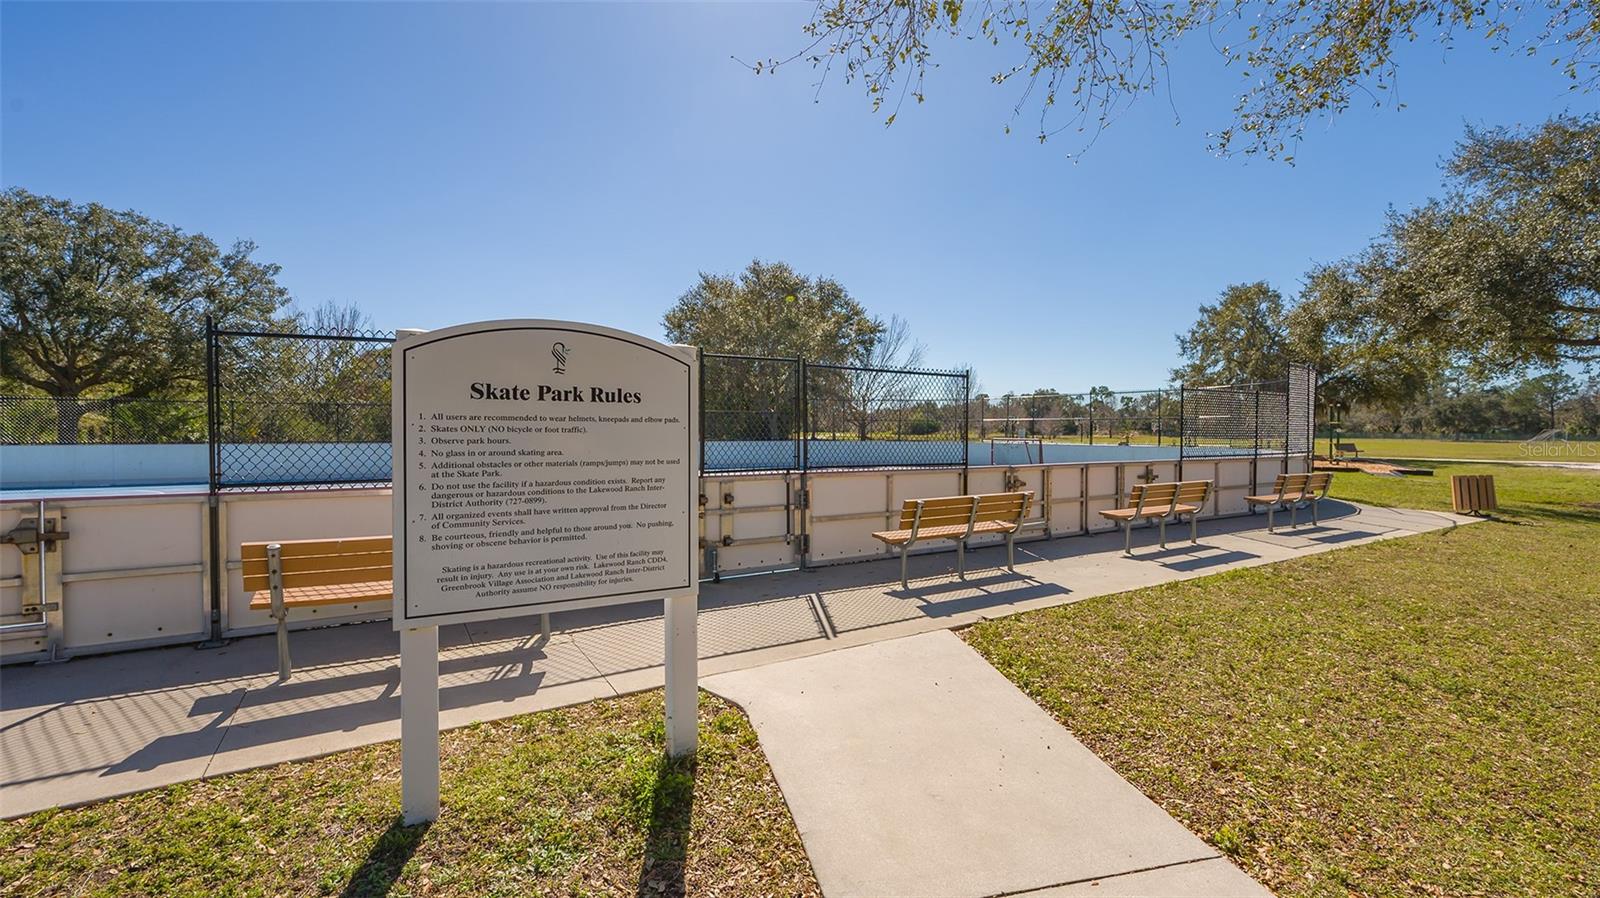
26,536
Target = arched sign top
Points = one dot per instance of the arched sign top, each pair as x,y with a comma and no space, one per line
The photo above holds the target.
541,465
684,354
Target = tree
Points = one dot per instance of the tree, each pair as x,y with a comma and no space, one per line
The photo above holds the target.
99,302
1537,400
1242,338
768,309
1358,358
1300,59
1500,274
1039,405
879,383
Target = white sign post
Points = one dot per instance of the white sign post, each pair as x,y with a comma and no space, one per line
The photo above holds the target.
539,466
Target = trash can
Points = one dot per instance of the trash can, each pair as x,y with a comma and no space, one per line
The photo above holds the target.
1472,493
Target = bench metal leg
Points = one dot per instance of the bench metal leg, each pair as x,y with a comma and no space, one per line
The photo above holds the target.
544,625
1270,509
1127,537
1194,527
1163,533
279,612
1314,521
961,559
1011,552
903,584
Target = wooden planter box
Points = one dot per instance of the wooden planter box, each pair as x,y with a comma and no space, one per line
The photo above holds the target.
1472,493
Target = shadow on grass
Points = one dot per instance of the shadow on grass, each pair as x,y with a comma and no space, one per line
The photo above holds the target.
669,811
387,857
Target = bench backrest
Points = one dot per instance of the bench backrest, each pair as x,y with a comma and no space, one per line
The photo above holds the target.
1008,507
1290,484
1345,447
1154,497
938,512
945,511
320,562
1194,492
1319,482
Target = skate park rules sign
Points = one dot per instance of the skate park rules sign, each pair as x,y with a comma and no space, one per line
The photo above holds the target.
540,466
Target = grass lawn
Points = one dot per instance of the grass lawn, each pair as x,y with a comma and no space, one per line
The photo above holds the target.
1414,717
1511,450
575,801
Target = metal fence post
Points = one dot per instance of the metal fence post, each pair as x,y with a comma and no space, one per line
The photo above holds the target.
213,505
1315,385
701,373
966,427
1288,412
1181,427
803,456
1255,451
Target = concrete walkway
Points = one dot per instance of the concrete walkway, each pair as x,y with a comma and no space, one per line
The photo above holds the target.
913,768
96,727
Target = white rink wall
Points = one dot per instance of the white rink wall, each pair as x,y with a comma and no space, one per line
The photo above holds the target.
135,570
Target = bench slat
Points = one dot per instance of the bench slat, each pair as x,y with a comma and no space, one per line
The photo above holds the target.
1002,507
347,593
294,548
326,578
940,510
257,567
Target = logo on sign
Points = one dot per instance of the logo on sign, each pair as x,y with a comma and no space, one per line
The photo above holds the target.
558,351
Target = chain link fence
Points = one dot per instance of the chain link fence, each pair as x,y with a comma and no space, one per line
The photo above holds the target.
750,413
28,420
1270,417
1129,417
859,417
780,414
313,410
289,408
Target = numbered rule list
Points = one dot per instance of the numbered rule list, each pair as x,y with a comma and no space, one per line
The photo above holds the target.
527,487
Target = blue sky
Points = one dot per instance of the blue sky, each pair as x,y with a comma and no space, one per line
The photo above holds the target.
445,163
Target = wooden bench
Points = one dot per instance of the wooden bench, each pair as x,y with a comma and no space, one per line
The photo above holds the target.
1316,490
959,518
308,573
1159,502
1290,491
1343,449
1286,491
314,572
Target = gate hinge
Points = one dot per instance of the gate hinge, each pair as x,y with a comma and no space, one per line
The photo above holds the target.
36,608
26,536
803,498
